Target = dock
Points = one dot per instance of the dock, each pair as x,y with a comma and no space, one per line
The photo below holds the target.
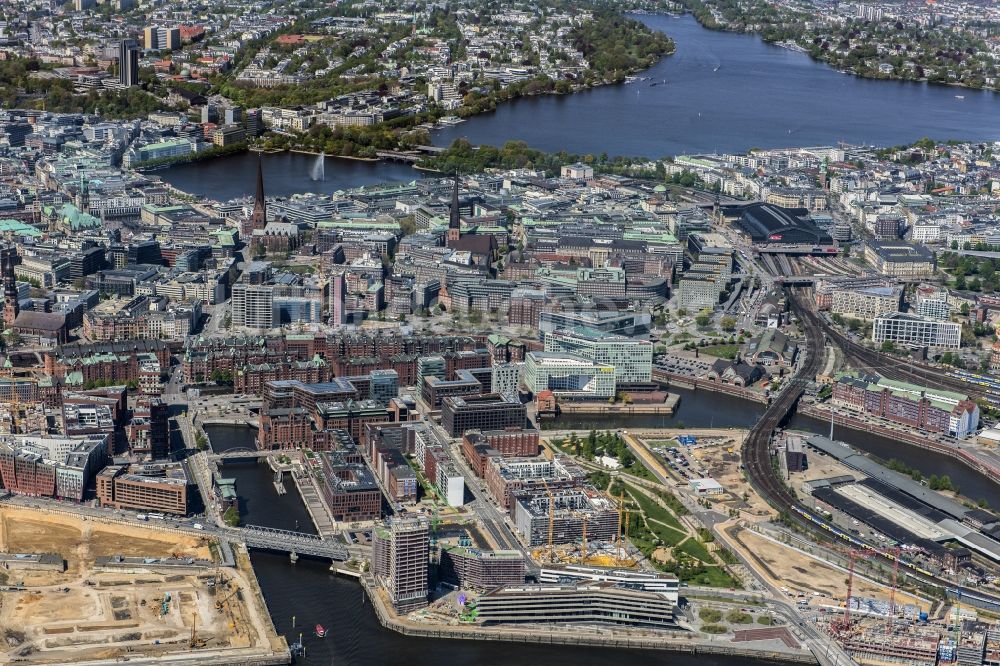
325,525
667,407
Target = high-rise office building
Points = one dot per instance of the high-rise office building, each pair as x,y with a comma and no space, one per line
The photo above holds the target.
631,358
400,556
170,38
253,305
151,38
128,63
254,122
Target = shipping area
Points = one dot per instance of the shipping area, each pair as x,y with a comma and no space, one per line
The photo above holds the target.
90,592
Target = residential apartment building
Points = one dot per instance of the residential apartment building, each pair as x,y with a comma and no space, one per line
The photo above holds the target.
482,570
400,560
867,302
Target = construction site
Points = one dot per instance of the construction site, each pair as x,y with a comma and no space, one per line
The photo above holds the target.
576,544
110,592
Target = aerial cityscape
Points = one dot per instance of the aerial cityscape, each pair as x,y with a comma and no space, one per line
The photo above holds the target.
353,332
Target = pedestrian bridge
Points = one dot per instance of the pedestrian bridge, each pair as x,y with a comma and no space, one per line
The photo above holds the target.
296,543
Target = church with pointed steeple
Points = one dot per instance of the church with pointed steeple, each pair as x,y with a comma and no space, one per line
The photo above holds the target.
455,216
11,307
258,218
482,247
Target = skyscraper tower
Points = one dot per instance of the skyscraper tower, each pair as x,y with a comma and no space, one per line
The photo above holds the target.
400,555
258,219
128,63
455,217
8,255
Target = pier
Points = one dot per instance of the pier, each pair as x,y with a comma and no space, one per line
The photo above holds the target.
313,501
617,409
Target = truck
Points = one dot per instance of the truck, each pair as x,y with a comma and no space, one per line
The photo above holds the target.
198,526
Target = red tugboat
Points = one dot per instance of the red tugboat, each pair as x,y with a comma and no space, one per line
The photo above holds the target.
320,631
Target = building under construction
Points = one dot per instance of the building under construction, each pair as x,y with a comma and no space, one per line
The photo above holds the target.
475,569
877,646
563,516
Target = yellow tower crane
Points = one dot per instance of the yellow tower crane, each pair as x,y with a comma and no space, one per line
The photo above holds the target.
552,517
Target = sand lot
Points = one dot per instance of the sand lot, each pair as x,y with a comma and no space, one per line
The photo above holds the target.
50,617
801,573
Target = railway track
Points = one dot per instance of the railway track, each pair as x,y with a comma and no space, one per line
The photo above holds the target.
864,358
756,457
899,369
756,448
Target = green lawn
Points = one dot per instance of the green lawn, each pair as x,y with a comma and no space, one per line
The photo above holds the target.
721,351
653,510
697,550
711,577
639,470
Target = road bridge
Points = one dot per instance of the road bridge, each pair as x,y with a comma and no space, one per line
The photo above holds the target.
240,452
295,543
795,279
399,156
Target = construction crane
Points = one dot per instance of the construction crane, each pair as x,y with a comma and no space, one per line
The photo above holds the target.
893,552
552,518
843,627
195,642
621,540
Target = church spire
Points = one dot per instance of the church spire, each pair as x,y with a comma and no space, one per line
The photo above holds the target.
455,217
259,217
11,307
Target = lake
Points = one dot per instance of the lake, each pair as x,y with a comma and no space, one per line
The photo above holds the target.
726,92
720,92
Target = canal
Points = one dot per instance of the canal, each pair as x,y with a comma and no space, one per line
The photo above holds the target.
312,595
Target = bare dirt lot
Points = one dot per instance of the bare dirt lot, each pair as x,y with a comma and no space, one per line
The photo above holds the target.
82,614
803,574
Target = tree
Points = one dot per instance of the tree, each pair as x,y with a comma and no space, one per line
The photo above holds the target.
231,517
703,320
888,347
408,225
728,323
